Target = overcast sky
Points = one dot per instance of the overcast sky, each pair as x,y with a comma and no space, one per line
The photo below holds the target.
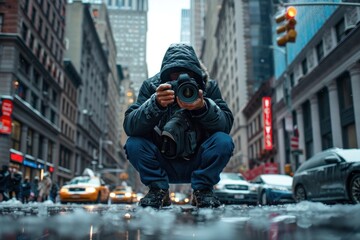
164,20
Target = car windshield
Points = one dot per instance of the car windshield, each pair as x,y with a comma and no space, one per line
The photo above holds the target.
232,176
274,179
85,180
350,155
123,188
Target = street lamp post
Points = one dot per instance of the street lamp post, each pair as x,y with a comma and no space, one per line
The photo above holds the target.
101,143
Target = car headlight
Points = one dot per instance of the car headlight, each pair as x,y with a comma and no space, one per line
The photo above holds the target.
90,189
112,195
64,190
127,194
219,186
252,188
281,189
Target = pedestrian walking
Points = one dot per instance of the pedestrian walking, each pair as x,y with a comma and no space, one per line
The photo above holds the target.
15,184
25,190
5,176
179,130
54,192
44,187
34,189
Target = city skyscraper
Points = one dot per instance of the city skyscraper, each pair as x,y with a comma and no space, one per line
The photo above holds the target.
129,25
197,24
185,26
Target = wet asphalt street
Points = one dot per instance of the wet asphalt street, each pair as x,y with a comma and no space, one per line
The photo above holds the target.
304,220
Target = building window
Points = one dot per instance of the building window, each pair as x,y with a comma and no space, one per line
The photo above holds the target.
309,148
40,25
29,141
16,135
54,97
41,147
349,136
345,91
50,151
38,50
340,30
43,108
304,66
33,100
325,122
36,77
52,116
65,157
24,65
24,31
347,111
26,6
31,42
33,15
1,21
20,90
291,77
320,51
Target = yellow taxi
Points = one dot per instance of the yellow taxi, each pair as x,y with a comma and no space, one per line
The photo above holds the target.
85,189
123,194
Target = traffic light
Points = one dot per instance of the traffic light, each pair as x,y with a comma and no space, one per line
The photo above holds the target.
288,22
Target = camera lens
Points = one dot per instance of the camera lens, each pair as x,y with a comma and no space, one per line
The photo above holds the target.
188,92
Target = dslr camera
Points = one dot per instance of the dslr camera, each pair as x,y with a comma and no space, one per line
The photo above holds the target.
185,88
178,137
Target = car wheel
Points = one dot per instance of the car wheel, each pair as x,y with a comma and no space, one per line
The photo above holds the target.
300,193
263,198
355,189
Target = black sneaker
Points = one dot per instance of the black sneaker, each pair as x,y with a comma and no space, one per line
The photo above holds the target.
156,198
205,198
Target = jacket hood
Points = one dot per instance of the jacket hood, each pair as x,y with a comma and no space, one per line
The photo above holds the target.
180,56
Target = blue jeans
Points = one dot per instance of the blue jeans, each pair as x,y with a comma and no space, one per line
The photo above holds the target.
202,171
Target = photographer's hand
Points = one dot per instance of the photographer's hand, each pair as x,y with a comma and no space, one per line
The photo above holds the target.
196,105
164,95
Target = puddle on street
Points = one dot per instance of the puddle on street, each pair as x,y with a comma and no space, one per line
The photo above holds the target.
294,221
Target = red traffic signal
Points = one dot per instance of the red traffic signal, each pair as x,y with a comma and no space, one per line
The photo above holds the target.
287,19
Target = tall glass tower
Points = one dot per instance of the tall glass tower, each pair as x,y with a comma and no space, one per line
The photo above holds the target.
128,20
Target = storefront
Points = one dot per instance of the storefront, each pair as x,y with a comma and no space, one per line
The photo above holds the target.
27,164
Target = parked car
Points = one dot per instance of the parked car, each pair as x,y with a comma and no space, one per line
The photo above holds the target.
123,194
85,189
329,176
273,189
233,188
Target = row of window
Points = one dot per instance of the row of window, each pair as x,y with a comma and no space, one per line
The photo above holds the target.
340,32
18,140
52,37
40,98
344,92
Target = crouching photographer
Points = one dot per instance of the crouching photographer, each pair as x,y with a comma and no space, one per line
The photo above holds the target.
179,130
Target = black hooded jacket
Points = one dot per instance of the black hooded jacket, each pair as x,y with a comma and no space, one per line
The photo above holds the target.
145,114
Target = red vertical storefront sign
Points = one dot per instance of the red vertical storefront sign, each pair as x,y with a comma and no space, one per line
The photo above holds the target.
266,108
5,118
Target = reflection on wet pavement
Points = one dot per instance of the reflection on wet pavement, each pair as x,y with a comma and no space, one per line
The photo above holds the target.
294,221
